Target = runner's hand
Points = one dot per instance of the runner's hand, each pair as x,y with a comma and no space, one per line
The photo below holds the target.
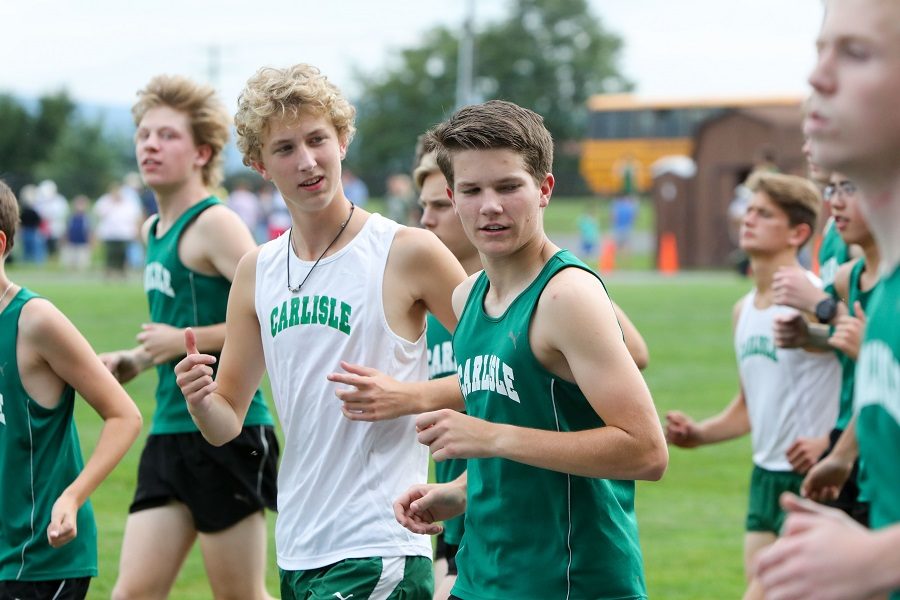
63,522
681,430
194,374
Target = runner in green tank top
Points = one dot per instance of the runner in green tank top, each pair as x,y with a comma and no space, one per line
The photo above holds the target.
439,218
849,279
503,382
182,297
442,363
838,478
855,282
560,421
401,398
877,402
48,537
186,487
852,121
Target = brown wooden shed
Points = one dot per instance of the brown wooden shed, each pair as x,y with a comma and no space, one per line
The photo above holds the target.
726,148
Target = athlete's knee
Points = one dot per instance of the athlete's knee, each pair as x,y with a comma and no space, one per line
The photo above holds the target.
237,584
121,591
132,590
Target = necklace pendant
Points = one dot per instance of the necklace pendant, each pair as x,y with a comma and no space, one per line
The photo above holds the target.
296,290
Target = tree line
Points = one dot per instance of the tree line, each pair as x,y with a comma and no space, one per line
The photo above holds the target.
547,55
51,140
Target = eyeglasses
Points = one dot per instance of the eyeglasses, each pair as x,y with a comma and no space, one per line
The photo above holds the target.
847,188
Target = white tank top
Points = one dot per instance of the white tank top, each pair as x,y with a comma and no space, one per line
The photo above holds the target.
338,478
790,393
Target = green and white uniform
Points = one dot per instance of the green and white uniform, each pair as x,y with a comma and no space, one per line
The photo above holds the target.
532,532
338,478
39,457
440,350
789,393
181,298
833,252
877,404
441,364
852,498
848,365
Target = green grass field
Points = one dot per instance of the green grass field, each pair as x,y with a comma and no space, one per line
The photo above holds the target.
691,522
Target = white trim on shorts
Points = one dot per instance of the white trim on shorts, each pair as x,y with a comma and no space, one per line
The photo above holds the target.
59,590
392,571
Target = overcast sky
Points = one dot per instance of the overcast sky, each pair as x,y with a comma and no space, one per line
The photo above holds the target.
104,50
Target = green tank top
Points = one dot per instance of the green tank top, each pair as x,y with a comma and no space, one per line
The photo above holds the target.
39,458
441,364
833,252
181,297
848,365
531,532
877,403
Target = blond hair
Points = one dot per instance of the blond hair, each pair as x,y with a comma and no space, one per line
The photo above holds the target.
798,197
278,93
207,115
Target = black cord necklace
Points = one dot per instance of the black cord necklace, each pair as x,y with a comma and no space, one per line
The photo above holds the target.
295,290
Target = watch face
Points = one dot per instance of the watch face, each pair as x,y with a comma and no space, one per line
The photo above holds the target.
826,309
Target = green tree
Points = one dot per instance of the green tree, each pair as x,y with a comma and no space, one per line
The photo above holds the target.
52,142
55,113
399,104
28,138
547,55
15,125
550,56
82,161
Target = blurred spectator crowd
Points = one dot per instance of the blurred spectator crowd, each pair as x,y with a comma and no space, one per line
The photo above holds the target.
80,233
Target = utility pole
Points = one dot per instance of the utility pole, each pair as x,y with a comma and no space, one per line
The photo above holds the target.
466,58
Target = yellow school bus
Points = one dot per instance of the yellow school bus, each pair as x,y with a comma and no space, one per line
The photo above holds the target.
627,134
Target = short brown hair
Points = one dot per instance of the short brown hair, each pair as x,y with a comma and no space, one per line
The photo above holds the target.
796,196
9,215
209,119
275,92
494,125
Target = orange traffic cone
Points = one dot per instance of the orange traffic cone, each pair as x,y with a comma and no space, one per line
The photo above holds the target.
817,245
667,262
607,261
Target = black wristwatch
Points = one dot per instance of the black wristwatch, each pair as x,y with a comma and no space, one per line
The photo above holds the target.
826,309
